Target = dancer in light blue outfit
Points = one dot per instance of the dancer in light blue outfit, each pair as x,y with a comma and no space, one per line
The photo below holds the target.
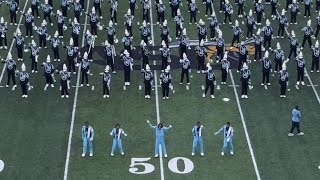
87,138
160,130
116,133
197,138
227,137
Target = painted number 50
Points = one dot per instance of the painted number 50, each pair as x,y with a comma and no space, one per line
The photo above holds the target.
172,165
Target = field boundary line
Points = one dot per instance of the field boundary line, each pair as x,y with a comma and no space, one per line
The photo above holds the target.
66,167
13,40
242,120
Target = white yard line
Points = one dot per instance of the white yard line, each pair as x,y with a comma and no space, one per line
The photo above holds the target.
66,167
156,92
309,78
243,123
245,129
12,43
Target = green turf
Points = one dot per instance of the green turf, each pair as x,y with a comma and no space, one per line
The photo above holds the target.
34,132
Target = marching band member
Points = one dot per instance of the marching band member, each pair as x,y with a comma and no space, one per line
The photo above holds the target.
14,7
24,81
87,138
47,11
132,5
19,39
165,79
106,79
315,57
293,45
85,68
202,31
75,26
300,68
179,23
243,55
283,80
34,8
114,11
174,4
220,46
147,78
208,7
29,19
307,7
268,32
294,9
42,31
111,34
165,55
146,11
250,24
318,24
94,20
71,56
117,133
55,46
48,72
274,4
110,53
127,41
228,11
160,12
64,7
165,33
145,32
257,45
278,57
145,54
308,33
283,22
77,9
127,66
197,132
227,131
210,81
259,8
11,68
160,131
60,22
266,69
3,33
185,68
97,7
213,25
245,79
236,33
225,66
90,39
34,54
64,81
240,7
193,11
201,52
184,43
128,19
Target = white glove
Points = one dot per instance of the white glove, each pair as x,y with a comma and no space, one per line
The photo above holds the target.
215,133
125,134
111,133
170,126
148,121
91,139
228,139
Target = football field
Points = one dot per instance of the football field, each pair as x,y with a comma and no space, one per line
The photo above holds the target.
40,137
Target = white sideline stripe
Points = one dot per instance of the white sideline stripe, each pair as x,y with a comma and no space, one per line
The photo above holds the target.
66,167
243,121
306,72
13,40
156,93
245,130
